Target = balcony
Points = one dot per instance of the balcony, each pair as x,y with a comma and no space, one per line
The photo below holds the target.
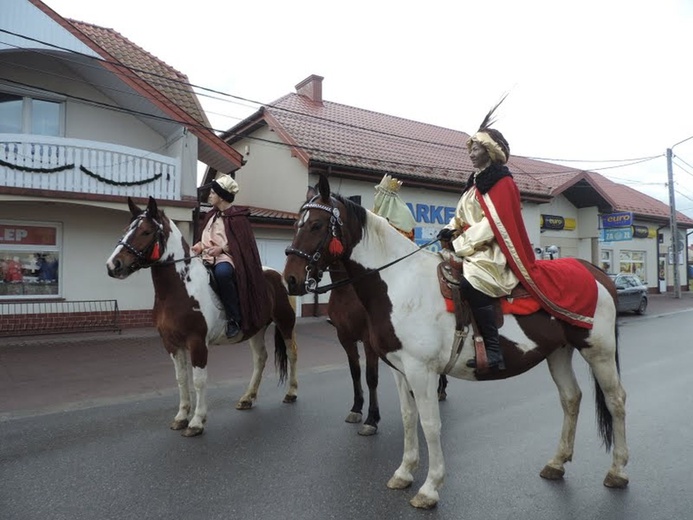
76,165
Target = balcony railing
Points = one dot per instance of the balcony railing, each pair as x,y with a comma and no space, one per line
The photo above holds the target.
75,165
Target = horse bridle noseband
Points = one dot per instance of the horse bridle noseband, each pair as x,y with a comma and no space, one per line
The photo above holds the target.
311,284
335,220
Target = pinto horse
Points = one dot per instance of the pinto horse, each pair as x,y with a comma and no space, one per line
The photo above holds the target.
189,315
349,318
412,330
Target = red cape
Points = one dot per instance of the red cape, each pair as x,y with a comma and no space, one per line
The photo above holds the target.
564,287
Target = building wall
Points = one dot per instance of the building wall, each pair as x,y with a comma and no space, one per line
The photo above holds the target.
271,177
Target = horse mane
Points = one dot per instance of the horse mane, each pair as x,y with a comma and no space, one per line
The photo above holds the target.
355,209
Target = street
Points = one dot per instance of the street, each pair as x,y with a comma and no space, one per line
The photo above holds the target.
117,459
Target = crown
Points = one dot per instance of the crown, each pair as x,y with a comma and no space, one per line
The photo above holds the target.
390,184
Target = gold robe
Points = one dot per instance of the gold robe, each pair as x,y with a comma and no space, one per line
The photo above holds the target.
485,266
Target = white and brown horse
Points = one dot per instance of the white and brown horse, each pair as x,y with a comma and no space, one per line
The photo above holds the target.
349,318
189,315
412,330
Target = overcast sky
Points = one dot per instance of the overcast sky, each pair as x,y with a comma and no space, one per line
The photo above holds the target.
594,80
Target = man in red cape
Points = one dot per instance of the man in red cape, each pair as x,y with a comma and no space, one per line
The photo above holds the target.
488,232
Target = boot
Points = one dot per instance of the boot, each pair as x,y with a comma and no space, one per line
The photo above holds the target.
486,321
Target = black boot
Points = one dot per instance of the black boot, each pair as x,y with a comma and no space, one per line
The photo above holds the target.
228,293
486,321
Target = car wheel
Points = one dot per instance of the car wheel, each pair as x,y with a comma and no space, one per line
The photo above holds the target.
642,307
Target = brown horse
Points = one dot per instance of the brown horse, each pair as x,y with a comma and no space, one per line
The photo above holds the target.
189,314
411,328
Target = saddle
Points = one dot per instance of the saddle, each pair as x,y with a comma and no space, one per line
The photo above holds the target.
449,275
212,280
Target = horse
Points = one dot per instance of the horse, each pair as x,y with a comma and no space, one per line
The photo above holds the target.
189,315
350,320
412,330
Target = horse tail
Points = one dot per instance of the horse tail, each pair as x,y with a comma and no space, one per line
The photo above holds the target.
281,358
605,422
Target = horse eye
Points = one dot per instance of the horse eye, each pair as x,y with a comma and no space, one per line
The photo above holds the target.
316,226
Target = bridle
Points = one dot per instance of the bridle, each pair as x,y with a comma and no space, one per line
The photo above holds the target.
151,253
311,284
313,259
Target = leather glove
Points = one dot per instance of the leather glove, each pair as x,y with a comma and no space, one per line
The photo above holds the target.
445,234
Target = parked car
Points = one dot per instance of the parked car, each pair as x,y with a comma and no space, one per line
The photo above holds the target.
632,293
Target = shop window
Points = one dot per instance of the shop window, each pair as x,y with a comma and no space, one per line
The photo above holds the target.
606,261
29,259
26,115
633,262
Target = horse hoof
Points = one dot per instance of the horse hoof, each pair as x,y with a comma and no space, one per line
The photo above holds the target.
613,480
193,431
551,473
179,425
442,396
354,417
244,405
288,398
423,502
368,429
398,483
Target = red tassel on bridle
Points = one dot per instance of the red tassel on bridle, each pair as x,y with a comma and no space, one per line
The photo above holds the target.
156,252
336,248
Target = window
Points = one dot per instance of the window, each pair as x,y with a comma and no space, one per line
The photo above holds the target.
29,259
606,262
26,115
633,262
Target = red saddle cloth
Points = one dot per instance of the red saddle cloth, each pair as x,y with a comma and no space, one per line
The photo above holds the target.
525,305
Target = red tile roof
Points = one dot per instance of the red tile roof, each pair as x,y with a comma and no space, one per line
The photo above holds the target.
375,143
164,86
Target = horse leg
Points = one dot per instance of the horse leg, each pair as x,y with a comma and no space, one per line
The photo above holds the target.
292,354
424,385
561,368
352,352
183,377
442,386
402,478
370,426
198,360
259,352
605,372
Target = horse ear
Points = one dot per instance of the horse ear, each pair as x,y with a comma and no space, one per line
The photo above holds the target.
311,192
136,211
151,207
324,188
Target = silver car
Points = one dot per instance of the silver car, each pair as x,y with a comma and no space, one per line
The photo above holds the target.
632,293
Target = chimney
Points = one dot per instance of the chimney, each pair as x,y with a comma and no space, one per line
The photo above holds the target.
311,87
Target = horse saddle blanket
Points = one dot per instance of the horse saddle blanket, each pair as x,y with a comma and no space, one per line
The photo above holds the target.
519,301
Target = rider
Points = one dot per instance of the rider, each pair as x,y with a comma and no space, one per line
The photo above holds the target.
488,232
228,245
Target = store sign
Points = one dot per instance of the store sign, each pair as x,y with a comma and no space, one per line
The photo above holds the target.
430,214
617,234
557,222
641,232
617,220
23,235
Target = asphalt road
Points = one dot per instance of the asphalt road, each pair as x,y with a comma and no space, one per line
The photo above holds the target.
116,458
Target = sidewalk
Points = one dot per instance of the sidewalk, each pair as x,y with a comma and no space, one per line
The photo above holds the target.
69,371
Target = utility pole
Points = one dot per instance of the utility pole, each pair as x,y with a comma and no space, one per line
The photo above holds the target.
674,228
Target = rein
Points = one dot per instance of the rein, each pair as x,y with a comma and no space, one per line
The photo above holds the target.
151,254
347,281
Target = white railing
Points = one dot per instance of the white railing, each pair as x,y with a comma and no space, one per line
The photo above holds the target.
76,165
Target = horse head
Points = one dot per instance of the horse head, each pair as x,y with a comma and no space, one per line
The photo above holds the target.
143,243
323,235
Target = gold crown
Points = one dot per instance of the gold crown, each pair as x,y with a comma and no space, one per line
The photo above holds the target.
389,183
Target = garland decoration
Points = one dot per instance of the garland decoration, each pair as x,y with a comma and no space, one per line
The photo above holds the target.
114,183
36,170
82,169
